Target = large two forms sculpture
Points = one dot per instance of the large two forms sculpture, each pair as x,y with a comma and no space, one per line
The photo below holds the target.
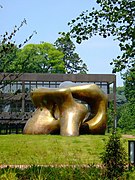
69,111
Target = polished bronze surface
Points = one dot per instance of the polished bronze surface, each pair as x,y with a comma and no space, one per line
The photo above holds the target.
42,122
71,111
97,101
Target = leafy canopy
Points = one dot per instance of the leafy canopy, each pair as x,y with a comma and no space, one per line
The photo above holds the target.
130,86
73,63
116,18
38,58
126,117
8,47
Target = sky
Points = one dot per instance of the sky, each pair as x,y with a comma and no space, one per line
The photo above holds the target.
48,18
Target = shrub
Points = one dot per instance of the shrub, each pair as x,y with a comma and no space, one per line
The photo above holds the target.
114,158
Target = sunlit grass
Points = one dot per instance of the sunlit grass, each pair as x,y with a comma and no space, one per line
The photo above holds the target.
52,149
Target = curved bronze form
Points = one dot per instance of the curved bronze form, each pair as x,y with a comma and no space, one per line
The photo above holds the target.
66,110
97,100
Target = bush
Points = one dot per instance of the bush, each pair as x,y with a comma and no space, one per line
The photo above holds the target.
114,158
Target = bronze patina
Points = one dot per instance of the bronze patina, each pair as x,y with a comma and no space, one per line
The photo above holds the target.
68,111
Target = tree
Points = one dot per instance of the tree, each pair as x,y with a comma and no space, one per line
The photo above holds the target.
113,18
8,48
38,58
125,108
116,18
114,157
130,86
8,52
126,113
120,96
73,63
7,56
126,119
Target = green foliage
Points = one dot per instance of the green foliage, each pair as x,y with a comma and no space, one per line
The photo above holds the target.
110,115
126,112
7,59
8,174
114,157
120,96
38,58
33,172
73,63
114,18
130,85
91,172
51,173
8,49
46,58
127,117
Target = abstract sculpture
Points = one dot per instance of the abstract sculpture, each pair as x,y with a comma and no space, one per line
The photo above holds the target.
69,111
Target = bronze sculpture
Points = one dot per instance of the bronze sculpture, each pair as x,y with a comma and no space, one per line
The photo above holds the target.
69,111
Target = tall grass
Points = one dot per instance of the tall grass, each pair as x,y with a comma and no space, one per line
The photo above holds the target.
48,173
57,173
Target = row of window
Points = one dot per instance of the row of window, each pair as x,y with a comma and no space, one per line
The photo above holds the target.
16,87
27,106
16,106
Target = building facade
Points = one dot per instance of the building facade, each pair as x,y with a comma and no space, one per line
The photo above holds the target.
15,103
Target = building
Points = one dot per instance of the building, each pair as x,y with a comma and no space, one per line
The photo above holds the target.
15,103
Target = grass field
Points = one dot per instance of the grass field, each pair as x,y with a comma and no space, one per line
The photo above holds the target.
52,149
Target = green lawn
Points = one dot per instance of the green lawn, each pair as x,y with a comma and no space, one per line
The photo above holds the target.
52,149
